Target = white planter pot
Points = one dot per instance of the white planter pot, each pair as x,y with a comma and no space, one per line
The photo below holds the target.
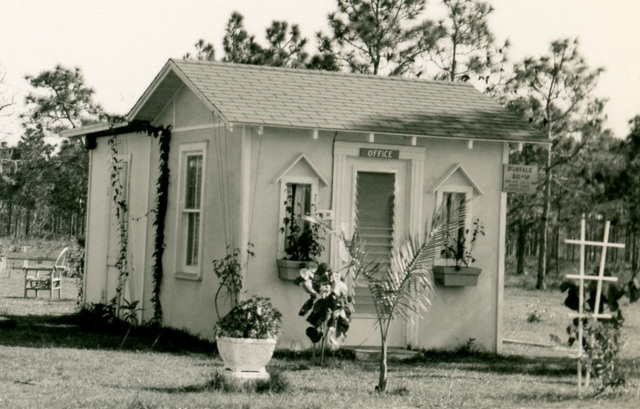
246,358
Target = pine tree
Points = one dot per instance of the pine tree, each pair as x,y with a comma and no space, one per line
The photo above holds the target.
380,36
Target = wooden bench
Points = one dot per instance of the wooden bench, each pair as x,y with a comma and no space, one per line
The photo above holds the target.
43,277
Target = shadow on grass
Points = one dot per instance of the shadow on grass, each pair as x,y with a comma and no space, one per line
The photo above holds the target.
498,364
71,331
277,383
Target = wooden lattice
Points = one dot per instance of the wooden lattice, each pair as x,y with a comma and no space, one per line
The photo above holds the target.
581,277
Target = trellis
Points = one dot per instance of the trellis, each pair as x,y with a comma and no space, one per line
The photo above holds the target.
581,277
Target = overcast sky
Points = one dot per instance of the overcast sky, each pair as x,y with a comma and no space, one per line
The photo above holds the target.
122,44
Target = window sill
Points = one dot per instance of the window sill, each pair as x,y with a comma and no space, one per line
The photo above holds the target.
188,276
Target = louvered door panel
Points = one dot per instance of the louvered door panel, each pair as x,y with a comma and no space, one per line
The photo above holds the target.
375,199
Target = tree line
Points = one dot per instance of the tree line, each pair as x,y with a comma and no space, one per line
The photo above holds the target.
586,171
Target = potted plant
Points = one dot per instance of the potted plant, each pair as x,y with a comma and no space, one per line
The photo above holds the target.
302,243
329,306
459,251
246,338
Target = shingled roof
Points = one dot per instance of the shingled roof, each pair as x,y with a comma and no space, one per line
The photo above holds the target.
281,97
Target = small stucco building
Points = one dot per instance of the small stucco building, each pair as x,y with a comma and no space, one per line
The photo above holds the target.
242,136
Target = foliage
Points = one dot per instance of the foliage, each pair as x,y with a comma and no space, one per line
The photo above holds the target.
373,36
329,306
285,45
228,270
466,49
75,257
162,191
44,178
554,92
6,101
537,314
601,338
303,239
457,249
402,290
255,318
120,210
67,102
129,311
204,51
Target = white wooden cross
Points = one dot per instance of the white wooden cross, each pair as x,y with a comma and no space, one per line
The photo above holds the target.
599,278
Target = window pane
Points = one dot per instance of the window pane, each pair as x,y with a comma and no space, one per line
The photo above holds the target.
193,236
299,195
193,182
453,205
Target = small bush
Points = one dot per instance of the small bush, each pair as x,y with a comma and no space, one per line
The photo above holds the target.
537,315
254,318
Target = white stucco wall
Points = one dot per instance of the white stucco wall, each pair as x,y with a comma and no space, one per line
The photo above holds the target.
243,167
461,313
134,149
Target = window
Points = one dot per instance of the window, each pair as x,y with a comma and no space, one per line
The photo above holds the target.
453,201
298,203
191,187
453,204
297,195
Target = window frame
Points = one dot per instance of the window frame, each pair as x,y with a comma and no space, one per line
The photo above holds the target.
468,196
297,180
182,270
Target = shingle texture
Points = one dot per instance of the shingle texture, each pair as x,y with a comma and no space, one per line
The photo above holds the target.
321,100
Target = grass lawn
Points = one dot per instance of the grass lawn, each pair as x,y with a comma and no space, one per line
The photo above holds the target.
49,361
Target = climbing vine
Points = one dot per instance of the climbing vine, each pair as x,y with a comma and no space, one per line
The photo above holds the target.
121,214
162,188
118,196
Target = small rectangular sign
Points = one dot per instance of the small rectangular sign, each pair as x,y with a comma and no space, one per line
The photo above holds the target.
379,153
520,179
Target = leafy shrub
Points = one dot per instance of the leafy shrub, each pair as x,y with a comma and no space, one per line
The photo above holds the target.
254,318
601,339
537,315
329,307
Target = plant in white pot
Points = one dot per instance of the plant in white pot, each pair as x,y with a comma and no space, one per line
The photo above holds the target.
247,336
458,251
302,242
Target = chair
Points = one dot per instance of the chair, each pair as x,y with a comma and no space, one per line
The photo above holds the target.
45,278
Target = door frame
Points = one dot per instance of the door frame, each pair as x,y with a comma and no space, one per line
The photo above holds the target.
346,163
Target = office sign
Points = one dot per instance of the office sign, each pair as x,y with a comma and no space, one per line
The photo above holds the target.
379,153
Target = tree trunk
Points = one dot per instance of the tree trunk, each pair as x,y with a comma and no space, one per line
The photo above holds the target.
9,217
544,240
382,381
27,223
521,241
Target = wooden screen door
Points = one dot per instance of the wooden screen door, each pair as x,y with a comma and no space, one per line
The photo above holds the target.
379,207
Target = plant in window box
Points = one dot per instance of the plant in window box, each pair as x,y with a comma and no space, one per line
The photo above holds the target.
329,306
459,251
302,242
247,336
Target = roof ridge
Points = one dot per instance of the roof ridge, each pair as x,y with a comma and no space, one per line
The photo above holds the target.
322,72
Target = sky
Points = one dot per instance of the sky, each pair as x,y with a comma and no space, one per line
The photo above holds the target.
121,45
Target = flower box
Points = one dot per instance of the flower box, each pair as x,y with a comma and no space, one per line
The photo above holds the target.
456,277
289,270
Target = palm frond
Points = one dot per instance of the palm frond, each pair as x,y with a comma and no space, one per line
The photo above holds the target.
406,287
